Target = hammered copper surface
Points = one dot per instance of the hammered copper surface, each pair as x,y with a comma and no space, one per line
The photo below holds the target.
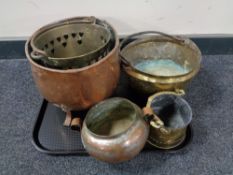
114,148
77,89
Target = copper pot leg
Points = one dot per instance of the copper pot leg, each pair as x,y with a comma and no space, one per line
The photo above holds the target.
68,119
76,124
73,122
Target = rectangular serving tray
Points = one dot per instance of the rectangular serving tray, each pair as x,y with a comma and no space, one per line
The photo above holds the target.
51,137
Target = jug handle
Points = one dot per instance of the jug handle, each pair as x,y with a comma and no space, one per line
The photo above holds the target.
151,118
154,120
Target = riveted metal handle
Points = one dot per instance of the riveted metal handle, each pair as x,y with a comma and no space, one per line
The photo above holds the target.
38,55
89,20
154,121
130,37
152,118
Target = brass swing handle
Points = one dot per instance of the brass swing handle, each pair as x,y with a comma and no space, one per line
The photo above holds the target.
154,120
127,40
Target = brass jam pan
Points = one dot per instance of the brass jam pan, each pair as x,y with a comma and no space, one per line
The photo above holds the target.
161,47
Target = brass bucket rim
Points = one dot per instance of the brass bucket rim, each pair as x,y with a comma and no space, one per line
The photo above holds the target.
186,42
161,79
177,95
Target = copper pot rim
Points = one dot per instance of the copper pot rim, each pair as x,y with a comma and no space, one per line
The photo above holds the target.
116,135
115,49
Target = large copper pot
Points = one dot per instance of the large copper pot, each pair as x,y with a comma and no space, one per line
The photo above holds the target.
80,88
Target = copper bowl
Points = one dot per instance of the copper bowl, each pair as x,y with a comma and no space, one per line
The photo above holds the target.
79,88
114,130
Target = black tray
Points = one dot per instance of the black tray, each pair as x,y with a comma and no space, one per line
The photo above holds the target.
51,137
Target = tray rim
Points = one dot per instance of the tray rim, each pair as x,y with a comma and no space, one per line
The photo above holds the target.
39,147
35,132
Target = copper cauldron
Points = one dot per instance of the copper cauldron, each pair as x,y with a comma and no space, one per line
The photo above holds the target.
79,88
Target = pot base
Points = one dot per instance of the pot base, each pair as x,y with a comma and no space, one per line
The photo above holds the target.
165,146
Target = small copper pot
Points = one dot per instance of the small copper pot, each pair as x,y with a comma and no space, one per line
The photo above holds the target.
78,88
118,144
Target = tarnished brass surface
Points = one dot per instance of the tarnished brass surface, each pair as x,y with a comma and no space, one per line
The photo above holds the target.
162,136
77,89
72,43
182,51
114,130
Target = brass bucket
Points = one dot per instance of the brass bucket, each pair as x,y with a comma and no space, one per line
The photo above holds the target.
72,43
159,62
172,114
